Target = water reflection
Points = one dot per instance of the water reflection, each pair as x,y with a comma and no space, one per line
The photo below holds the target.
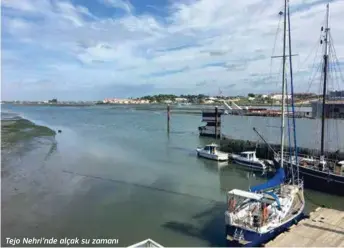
210,228
213,166
234,176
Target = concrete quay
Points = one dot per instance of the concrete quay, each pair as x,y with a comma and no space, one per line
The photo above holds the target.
323,228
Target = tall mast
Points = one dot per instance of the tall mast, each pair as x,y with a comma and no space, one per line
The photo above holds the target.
283,82
325,80
292,96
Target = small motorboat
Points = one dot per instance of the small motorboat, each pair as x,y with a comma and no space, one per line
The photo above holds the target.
211,152
249,159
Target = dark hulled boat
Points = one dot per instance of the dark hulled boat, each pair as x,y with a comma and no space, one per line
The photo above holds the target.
320,173
326,177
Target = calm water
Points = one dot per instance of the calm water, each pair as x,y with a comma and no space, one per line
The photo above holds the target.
116,173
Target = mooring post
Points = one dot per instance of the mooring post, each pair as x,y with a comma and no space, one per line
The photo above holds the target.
216,120
168,118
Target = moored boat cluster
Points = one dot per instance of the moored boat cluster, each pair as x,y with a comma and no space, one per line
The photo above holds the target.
262,212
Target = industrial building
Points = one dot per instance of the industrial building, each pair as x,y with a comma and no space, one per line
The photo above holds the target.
333,109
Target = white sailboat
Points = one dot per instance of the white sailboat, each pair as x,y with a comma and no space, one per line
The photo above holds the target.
256,216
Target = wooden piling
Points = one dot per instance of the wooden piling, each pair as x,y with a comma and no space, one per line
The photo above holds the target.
216,122
168,118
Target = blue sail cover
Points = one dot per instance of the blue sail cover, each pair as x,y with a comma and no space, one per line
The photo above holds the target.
277,179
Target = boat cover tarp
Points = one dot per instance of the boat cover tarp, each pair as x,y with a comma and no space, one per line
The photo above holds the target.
277,179
245,194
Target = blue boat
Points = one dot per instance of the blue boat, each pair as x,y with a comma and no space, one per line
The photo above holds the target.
256,216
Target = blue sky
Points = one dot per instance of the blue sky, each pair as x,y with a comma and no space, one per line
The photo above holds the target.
96,49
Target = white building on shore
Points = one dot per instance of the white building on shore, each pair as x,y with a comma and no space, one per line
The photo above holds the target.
278,96
181,99
125,101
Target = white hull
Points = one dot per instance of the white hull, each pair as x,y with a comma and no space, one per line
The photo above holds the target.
251,163
253,166
218,156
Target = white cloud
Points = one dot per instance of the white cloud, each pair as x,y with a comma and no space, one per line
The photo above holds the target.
128,49
71,13
21,5
120,4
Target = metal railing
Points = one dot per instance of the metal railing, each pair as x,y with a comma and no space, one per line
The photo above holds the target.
287,156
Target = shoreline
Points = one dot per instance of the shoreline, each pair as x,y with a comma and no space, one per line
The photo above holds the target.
195,109
146,104
53,105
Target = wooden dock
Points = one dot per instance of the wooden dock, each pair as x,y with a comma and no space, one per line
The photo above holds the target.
324,227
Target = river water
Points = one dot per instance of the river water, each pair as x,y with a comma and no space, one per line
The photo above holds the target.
114,172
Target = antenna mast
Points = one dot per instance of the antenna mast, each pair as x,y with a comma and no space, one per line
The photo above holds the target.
324,86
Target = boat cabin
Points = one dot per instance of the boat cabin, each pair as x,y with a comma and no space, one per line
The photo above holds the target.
238,196
251,155
250,208
212,148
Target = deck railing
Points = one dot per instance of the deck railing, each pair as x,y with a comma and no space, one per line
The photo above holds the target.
300,155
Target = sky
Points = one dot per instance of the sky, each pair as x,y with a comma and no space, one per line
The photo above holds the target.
96,49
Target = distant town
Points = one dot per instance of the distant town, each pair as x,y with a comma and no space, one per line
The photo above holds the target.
256,99
250,99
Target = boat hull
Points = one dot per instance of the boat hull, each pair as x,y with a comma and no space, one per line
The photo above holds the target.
215,157
251,164
321,181
256,239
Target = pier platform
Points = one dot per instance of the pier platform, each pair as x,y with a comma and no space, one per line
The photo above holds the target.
324,227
